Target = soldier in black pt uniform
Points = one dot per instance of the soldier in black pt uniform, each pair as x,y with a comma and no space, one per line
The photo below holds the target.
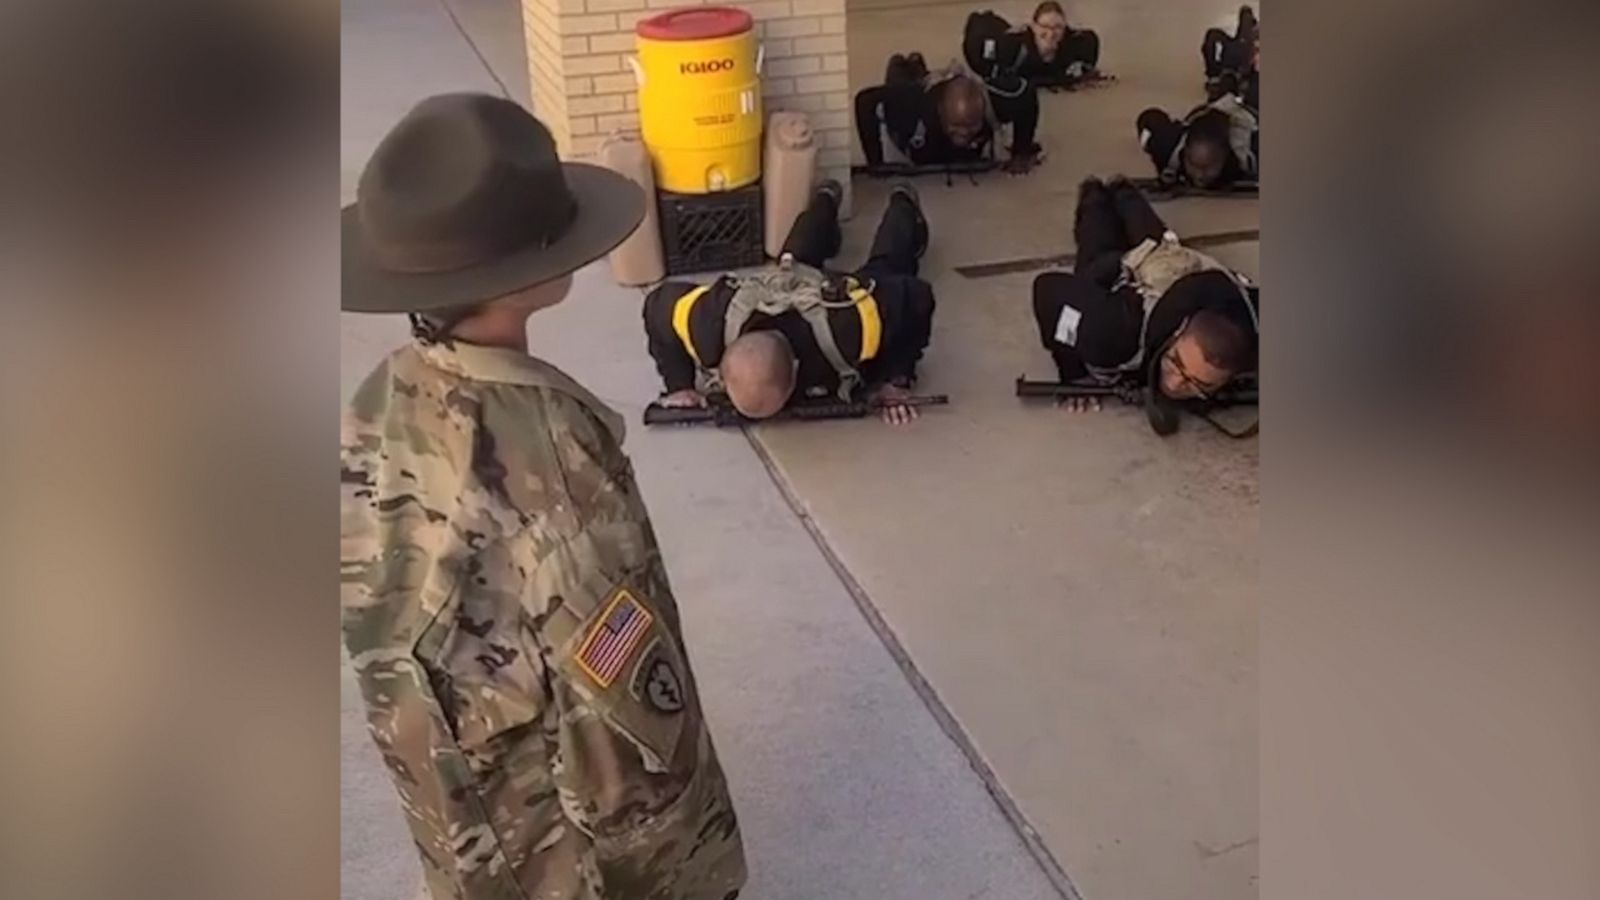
1140,304
798,330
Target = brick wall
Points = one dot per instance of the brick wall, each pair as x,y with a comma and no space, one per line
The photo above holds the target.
584,90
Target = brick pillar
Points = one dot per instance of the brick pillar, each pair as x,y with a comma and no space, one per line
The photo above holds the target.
584,90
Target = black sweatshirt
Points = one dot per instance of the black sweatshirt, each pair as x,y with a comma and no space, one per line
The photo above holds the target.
905,307
1109,321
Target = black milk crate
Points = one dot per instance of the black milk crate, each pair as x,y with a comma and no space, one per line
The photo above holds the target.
711,232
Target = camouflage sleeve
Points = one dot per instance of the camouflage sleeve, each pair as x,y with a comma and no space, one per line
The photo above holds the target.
457,696
513,634
634,765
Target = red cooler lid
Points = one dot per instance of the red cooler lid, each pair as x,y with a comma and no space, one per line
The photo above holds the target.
695,23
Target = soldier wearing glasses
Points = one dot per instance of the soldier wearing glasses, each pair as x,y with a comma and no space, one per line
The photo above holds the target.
1142,304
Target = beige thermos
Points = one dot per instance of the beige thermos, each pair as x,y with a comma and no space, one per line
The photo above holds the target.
638,260
789,166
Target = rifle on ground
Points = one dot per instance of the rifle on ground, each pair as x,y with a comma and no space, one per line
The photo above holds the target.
723,415
1057,83
1161,412
1158,189
970,168
908,170
1241,392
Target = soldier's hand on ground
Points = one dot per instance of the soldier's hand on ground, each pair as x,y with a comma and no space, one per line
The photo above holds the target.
690,399
1080,404
894,411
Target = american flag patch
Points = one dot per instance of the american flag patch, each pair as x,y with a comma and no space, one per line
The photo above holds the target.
613,639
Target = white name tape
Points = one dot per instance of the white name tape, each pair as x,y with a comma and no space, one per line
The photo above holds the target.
1067,326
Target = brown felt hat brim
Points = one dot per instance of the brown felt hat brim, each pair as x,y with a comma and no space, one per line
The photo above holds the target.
610,207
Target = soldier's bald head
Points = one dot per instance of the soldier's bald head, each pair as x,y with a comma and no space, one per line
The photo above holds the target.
758,371
963,108
1203,161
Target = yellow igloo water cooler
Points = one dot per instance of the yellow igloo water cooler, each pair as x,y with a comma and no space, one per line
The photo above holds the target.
700,98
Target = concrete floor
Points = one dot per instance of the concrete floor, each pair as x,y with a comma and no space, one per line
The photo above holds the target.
1079,595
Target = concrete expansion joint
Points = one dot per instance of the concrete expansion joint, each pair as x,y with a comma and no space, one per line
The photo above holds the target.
1048,864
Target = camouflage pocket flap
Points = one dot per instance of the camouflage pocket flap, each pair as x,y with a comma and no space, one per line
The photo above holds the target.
486,678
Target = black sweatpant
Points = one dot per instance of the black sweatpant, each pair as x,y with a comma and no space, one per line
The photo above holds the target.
897,108
905,301
1224,55
1021,112
901,239
1109,221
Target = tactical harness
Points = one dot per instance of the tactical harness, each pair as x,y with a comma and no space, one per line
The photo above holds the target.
1151,269
792,287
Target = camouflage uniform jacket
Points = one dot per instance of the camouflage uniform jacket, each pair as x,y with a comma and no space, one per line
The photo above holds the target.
509,620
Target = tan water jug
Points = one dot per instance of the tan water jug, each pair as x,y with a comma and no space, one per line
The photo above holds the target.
638,260
789,167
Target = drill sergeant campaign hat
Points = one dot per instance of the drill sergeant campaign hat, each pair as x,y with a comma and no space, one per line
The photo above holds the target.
466,200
